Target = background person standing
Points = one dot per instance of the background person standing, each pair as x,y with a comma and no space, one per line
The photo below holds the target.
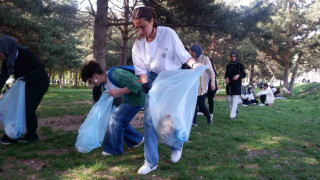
196,53
234,73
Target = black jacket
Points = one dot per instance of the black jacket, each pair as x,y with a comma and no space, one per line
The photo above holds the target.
234,87
27,66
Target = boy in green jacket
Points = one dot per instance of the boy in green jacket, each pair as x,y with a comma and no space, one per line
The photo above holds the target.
128,87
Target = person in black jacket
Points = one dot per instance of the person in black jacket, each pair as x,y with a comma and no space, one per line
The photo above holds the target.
211,93
233,77
24,65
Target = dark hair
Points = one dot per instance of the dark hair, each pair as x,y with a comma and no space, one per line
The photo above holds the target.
265,84
145,13
89,69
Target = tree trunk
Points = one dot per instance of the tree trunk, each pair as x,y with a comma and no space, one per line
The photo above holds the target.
251,74
70,79
50,76
63,79
76,79
125,34
60,78
100,33
293,77
286,75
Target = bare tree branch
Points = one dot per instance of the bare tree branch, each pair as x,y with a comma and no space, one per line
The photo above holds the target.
114,41
130,36
92,10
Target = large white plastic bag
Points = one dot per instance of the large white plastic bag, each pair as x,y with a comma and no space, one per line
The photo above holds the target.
13,110
173,99
93,129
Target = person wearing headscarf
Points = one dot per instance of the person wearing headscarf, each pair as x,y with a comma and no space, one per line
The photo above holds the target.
212,93
196,53
248,98
234,73
24,65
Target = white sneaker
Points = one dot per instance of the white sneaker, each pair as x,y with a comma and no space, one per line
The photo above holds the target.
211,119
176,155
199,113
105,153
261,104
244,105
146,169
142,141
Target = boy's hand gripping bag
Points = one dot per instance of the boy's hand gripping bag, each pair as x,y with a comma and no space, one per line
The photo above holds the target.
93,129
13,110
173,99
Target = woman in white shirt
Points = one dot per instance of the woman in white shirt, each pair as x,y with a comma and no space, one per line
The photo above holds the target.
157,49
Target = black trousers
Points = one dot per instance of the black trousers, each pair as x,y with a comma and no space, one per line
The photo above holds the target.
202,108
210,97
245,101
263,98
34,94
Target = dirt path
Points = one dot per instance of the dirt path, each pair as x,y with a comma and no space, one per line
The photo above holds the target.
73,123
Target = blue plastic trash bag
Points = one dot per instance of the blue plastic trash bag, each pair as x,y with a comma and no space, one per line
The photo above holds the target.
93,129
13,110
173,99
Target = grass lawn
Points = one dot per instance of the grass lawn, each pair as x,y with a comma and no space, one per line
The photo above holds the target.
277,142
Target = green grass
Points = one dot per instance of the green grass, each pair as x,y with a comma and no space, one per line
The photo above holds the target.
277,142
61,102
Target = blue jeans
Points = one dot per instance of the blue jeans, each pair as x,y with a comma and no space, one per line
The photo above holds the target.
119,129
151,154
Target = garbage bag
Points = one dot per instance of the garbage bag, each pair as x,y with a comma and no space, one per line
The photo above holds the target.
93,129
13,110
173,99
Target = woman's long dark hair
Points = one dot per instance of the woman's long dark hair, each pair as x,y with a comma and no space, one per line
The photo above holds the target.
145,13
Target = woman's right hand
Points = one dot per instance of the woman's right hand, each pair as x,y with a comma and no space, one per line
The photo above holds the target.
196,65
227,81
145,88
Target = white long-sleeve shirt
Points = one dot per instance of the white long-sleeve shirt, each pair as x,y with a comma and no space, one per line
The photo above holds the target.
165,52
251,96
270,96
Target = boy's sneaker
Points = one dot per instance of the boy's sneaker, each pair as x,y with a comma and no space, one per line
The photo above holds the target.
141,142
261,104
105,154
194,124
199,113
244,105
176,155
27,138
211,119
146,169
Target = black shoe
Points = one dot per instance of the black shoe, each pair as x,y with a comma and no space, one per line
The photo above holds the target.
5,140
28,138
